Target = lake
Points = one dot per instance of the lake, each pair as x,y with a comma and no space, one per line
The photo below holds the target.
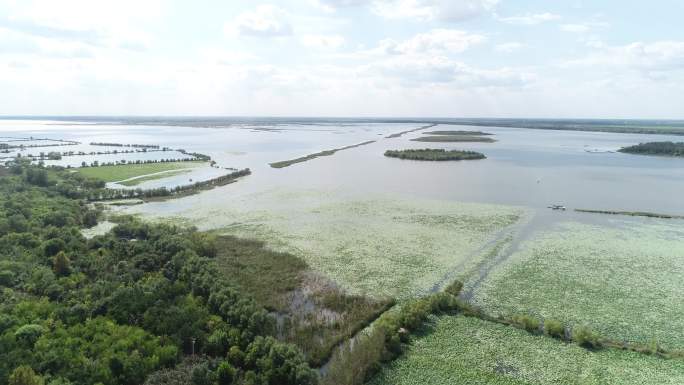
525,167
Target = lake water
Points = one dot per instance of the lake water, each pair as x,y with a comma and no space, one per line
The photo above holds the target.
525,167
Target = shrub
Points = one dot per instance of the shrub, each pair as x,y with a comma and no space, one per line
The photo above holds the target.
554,328
455,288
585,337
527,322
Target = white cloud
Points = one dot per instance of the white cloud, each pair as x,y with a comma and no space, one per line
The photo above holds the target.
575,28
656,57
333,5
429,10
530,18
583,27
264,21
323,41
509,47
436,41
119,24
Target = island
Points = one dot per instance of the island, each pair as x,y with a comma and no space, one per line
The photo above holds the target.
434,154
656,148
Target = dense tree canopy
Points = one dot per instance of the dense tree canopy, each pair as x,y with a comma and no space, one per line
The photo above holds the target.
115,308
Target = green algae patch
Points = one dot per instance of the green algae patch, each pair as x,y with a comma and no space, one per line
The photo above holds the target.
462,350
625,282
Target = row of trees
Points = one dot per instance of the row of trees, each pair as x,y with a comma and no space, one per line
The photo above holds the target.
124,145
97,163
115,308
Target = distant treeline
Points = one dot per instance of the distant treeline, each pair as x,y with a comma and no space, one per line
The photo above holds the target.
656,148
6,146
123,162
104,194
454,138
124,145
457,132
434,154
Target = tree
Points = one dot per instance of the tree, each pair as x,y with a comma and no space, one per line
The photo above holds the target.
24,375
61,264
225,373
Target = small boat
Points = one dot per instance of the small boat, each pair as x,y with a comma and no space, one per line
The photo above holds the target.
557,207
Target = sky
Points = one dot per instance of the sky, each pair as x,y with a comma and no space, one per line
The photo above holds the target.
366,58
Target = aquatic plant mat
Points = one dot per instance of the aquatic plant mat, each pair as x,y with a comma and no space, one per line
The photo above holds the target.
381,246
467,350
623,281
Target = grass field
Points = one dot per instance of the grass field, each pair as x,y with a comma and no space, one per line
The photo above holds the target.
459,350
127,171
160,175
625,282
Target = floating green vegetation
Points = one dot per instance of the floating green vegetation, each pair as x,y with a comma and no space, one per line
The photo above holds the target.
623,282
127,171
380,245
454,138
432,154
160,175
457,132
290,162
632,214
656,148
465,350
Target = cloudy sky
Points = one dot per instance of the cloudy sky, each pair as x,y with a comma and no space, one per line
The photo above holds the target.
448,58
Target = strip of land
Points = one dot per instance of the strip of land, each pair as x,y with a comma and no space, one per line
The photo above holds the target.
286,163
454,138
632,213
159,175
399,134
457,132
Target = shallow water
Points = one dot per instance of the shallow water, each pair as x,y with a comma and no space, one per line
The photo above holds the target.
525,167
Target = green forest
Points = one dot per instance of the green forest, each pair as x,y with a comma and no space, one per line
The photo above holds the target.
144,303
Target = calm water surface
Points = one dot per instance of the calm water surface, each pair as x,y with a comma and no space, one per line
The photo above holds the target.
525,167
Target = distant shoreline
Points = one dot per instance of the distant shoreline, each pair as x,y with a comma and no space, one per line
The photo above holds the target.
627,126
